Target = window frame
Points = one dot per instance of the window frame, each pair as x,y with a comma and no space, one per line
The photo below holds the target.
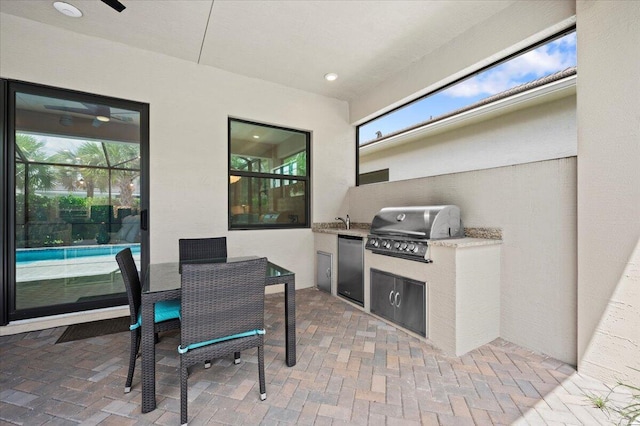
269,175
533,46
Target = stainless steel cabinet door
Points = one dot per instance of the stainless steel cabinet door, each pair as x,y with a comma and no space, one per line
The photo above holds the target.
398,299
383,294
324,271
351,268
410,305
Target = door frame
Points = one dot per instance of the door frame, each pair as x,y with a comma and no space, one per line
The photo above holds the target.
8,89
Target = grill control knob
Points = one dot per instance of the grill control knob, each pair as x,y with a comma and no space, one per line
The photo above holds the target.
411,247
396,245
375,243
386,244
416,249
403,246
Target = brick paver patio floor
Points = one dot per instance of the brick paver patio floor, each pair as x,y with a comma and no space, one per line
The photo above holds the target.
352,369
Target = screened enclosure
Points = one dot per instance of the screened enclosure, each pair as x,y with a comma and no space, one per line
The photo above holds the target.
71,191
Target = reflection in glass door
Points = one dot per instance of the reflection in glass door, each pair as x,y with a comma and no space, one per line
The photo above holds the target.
78,198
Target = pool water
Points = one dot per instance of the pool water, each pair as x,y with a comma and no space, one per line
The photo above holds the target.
25,256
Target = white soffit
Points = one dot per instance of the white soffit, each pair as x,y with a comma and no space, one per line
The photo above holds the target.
295,43
175,28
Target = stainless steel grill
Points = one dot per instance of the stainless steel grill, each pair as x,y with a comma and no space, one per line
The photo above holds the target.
405,231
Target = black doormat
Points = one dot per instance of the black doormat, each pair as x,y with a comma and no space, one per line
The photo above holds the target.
94,329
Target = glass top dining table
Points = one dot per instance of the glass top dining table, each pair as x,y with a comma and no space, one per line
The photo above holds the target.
162,282
166,276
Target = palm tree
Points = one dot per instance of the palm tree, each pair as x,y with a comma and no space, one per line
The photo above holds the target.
92,154
120,162
32,177
67,176
124,156
86,178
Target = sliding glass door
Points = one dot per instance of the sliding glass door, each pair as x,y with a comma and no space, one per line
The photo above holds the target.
77,194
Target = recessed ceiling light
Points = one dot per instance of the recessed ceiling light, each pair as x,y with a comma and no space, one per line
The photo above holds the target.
331,76
256,137
67,9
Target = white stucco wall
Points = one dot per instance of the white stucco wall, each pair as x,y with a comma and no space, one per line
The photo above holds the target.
189,105
535,206
537,133
609,189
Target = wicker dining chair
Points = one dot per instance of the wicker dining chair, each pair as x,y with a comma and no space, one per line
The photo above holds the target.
167,313
222,312
203,249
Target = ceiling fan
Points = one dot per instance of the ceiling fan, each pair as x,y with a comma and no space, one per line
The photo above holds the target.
115,4
100,113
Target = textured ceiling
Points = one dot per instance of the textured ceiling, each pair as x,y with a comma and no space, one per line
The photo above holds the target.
293,43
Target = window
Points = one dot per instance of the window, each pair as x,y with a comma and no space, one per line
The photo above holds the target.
268,176
549,61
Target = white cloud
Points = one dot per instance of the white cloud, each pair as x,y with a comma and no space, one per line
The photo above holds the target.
552,57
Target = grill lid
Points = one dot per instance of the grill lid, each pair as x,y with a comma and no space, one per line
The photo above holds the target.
420,222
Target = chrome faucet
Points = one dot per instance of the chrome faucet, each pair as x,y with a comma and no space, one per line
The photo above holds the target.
347,221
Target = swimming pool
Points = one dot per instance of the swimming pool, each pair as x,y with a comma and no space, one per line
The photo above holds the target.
26,256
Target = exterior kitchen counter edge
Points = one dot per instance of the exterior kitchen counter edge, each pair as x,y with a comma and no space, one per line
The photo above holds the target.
354,232
464,242
362,230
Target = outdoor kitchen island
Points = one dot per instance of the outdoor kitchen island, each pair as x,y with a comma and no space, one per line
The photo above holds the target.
461,287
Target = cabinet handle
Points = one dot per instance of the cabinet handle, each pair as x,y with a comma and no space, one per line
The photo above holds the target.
398,301
328,273
391,297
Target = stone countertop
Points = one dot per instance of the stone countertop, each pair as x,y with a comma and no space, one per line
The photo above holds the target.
464,242
354,231
475,236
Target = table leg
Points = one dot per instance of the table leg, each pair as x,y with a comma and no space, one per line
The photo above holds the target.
290,320
148,358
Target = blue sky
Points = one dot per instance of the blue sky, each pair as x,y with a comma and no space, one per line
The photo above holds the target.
547,59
